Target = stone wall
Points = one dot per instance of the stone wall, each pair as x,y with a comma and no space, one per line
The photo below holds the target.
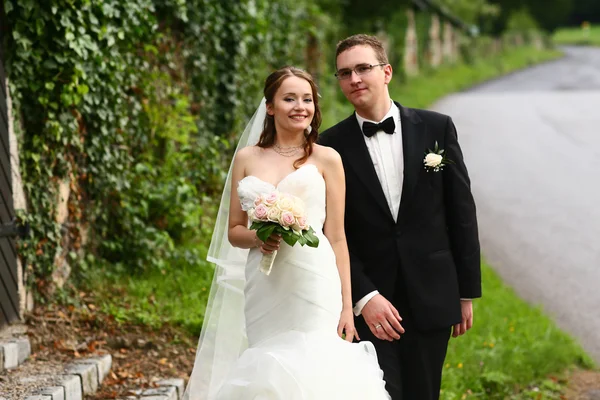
20,204
411,46
443,47
450,44
435,42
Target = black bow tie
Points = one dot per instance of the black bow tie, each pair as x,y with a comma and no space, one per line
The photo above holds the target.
388,126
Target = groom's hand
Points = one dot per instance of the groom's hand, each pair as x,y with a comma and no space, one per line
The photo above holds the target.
466,309
383,318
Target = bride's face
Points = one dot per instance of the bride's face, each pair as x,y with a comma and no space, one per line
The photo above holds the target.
292,107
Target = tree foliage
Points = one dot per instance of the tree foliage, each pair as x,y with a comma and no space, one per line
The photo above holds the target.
585,10
549,14
134,104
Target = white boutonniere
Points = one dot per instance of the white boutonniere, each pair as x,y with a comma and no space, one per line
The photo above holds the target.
434,159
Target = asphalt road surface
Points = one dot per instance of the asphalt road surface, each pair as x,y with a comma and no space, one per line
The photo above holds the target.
531,142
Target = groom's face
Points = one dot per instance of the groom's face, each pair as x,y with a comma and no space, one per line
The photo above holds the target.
367,89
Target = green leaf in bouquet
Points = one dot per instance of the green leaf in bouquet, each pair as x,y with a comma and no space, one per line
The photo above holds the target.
290,238
311,239
313,242
302,240
265,231
256,225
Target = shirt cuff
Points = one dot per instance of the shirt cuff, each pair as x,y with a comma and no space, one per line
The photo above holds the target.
363,302
462,298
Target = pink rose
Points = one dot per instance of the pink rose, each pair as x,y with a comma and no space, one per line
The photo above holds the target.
302,223
287,219
260,212
271,198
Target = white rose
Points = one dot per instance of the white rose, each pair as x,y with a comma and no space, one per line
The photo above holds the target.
274,214
433,160
298,209
285,203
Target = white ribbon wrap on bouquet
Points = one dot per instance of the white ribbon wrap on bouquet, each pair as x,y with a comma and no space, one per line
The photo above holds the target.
266,262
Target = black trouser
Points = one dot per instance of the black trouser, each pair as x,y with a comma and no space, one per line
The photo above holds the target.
412,366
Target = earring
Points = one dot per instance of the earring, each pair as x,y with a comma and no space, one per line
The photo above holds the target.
308,130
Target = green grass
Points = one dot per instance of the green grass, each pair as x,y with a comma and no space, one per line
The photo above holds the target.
578,36
511,350
175,297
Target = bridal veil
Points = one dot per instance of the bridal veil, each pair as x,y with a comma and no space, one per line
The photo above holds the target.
223,336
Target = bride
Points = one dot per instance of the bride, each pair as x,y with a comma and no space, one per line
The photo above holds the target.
287,335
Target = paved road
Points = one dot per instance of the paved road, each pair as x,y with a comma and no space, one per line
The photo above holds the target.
532,145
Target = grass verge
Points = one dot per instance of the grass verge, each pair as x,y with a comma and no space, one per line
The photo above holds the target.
578,36
176,296
511,351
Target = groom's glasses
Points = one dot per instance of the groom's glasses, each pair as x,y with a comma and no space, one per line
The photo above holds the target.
360,69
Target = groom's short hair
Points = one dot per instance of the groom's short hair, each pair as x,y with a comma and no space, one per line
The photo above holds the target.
362,40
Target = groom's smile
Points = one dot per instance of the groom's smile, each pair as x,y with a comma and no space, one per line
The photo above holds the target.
359,91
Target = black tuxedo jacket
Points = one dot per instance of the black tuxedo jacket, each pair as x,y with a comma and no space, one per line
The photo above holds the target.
432,251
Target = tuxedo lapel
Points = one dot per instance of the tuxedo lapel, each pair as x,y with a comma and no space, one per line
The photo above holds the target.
362,165
413,142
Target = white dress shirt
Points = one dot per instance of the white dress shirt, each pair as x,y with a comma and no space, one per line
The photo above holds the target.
388,159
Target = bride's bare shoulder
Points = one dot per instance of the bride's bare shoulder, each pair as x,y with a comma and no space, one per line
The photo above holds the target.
247,155
326,156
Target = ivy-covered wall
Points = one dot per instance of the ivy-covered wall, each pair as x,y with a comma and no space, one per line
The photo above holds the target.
127,109
126,112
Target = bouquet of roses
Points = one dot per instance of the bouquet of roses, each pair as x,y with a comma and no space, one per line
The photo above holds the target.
283,214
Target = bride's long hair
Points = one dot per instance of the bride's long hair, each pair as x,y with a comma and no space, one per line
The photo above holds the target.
272,84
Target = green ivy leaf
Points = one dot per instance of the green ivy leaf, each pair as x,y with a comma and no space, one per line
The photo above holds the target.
83,89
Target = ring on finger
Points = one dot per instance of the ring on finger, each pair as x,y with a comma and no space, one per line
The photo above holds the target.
377,326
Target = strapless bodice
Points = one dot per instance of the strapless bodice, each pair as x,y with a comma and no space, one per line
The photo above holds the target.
306,183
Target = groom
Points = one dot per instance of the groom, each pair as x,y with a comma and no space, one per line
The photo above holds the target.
411,227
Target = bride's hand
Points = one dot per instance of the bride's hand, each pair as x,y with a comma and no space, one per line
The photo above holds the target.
346,326
271,245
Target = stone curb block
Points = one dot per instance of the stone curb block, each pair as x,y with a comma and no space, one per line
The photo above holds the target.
103,365
24,349
72,386
55,392
168,389
14,353
164,392
11,354
81,377
178,383
88,374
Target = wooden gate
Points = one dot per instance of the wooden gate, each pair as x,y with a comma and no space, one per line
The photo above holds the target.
9,296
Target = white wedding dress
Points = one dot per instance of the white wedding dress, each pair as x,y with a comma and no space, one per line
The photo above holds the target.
294,352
